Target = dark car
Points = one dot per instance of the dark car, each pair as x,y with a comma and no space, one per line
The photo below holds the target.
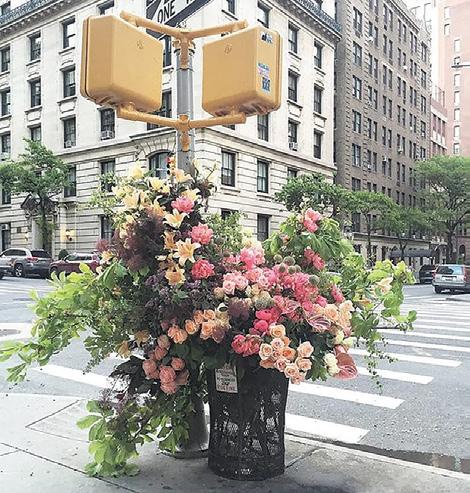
71,263
426,273
21,262
453,277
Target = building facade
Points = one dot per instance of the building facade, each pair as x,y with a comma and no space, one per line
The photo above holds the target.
438,122
40,51
383,102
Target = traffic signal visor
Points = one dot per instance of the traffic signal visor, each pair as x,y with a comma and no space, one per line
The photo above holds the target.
121,64
242,72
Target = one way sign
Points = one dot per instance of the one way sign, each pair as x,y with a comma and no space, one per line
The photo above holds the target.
173,12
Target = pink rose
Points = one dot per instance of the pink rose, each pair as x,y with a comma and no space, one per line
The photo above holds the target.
159,353
202,269
150,368
169,388
167,374
314,259
252,257
164,341
310,220
201,234
253,343
182,377
337,294
346,365
322,301
261,326
177,364
281,364
228,287
183,204
239,344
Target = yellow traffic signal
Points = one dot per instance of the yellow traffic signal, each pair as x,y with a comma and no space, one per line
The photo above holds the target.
121,64
242,73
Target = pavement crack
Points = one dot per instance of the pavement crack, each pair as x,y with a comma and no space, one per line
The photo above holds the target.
53,414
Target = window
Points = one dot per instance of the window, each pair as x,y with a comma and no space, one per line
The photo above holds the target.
108,169
35,92
226,213
357,21
230,6
263,227
457,114
263,176
228,168
357,54
106,8
356,155
292,131
317,144
69,82
35,133
292,173
317,99
5,59
5,146
70,189
35,47
263,127
357,121
457,45
68,33
456,148
293,39
107,123
356,222
446,29
263,15
5,102
356,184
317,55
70,137
457,132
293,82
457,78
106,228
165,110
158,165
357,87
166,51
6,196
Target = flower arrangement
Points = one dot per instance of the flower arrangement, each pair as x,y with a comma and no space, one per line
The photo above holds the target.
173,301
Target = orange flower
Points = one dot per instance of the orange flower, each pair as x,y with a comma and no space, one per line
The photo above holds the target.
170,240
123,350
185,251
175,276
190,327
175,219
289,353
209,314
177,335
198,317
207,329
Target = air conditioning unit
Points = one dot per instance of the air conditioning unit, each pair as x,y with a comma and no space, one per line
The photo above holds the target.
400,150
68,143
405,68
4,227
384,159
107,134
369,167
293,146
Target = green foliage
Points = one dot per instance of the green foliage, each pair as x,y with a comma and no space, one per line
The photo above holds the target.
447,194
228,231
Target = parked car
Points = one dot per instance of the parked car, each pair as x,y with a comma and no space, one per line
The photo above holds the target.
426,273
71,263
21,262
452,277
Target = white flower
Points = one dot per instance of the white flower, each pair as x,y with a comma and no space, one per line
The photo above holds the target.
136,172
385,285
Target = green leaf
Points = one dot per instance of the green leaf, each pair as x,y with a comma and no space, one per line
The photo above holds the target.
87,421
93,407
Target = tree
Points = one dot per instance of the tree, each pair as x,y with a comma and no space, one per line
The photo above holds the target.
372,207
42,176
447,195
403,222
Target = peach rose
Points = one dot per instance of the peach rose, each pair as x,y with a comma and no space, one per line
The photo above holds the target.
285,340
297,379
219,293
305,350
265,351
289,353
198,317
207,329
190,327
281,364
177,364
291,370
164,342
169,388
209,314
277,344
178,335
277,331
167,374
159,353
267,363
150,368
182,377
331,312
303,364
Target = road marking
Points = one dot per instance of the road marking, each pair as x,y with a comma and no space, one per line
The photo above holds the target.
413,359
397,375
23,331
76,375
346,395
412,333
439,327
324,429
426,345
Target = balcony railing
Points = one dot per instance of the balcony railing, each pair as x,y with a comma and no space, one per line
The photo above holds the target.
320,14
23,10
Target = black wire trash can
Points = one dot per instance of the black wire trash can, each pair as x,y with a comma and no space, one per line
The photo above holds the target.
247,421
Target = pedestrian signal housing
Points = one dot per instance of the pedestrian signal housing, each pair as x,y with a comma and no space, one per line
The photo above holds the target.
242,73
121,64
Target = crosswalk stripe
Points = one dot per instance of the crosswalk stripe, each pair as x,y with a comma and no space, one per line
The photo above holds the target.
426,360
323,429
294,423
427,345
439,327
412,333
346,395
397,375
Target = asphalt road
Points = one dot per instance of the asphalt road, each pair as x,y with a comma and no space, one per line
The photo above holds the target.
423,407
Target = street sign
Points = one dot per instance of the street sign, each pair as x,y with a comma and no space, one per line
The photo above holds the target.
173,12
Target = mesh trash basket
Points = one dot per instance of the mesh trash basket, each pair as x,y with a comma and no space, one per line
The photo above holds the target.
247,427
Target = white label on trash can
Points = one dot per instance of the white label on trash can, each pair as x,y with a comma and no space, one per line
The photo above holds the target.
226,379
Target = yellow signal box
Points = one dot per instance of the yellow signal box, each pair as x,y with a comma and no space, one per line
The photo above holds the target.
242,73
121,64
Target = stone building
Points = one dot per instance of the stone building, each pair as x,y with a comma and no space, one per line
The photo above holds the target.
383,116
40,45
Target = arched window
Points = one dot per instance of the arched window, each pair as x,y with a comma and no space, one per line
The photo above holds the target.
158,164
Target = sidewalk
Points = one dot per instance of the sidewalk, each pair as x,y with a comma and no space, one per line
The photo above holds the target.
42,450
